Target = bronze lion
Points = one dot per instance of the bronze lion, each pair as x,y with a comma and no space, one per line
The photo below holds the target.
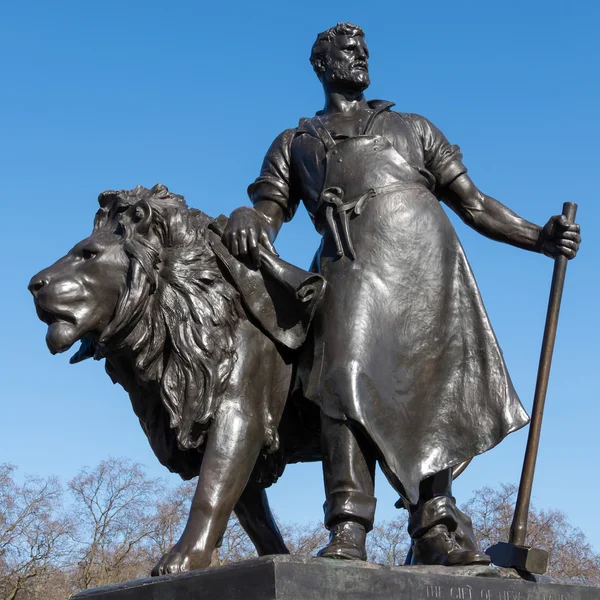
210,383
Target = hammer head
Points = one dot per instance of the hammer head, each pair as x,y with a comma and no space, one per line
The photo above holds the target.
523,558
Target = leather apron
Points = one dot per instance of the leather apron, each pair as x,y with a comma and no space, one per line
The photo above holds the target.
403,346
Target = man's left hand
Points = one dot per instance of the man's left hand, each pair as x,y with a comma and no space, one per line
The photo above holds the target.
560,237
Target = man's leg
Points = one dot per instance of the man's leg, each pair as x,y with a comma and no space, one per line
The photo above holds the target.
440,532
349,474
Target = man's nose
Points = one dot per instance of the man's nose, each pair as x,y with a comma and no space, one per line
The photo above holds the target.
36,284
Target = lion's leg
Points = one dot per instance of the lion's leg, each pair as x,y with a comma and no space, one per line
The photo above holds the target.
255,516
232,447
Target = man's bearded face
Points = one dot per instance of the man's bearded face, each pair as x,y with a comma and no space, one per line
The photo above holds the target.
347,63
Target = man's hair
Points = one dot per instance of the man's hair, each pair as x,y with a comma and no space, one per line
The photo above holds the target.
321,45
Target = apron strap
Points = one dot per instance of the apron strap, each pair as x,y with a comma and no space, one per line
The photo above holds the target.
383,106
323,133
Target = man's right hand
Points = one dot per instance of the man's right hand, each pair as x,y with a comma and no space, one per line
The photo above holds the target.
245,231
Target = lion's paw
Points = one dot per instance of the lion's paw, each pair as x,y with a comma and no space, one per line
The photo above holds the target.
171,562
177,561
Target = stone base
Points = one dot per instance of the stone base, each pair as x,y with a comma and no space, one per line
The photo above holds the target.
293,578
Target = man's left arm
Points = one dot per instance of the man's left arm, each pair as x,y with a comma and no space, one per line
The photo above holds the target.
494,220
483,213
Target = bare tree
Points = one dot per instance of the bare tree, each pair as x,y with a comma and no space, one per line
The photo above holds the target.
492,509
53,584
389,541
169,516
304,539
32,533
570,553
301,540
235,545
126,520
115,506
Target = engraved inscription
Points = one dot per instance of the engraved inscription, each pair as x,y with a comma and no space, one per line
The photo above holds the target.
467,592
513,595
434,591
461,593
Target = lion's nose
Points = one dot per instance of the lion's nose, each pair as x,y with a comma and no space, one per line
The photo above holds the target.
35,285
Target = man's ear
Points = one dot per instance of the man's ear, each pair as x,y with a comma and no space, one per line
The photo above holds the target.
319,68
142,216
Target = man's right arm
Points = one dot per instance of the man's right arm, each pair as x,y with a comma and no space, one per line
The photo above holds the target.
248,227
274,203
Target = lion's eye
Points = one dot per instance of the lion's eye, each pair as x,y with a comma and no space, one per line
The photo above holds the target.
88,254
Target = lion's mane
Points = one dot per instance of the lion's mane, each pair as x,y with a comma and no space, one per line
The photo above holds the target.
176,322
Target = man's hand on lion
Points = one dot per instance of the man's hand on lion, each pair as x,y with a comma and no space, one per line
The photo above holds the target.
559,236
246,230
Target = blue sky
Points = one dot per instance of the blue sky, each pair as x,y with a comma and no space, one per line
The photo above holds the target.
109,95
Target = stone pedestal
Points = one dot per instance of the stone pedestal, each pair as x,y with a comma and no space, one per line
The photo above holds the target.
292,578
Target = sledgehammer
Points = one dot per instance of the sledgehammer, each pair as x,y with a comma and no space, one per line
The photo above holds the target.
515,553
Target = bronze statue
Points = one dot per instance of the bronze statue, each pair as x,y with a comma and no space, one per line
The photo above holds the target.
208,369
237,363
402,360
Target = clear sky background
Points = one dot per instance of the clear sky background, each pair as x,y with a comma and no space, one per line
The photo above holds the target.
112,94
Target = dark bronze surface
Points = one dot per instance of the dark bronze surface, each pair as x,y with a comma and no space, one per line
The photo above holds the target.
209,382
402,360
237,363
524,558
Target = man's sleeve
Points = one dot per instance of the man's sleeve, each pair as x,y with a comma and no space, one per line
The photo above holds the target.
442,159
275,180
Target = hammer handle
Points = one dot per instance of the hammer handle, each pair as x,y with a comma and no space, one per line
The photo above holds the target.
518,530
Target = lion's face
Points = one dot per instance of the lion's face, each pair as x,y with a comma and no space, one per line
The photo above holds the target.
77,295
146,293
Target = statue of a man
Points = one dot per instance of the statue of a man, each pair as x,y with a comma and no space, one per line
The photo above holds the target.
404,363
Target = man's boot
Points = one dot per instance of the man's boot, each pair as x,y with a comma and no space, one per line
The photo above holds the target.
346,541
443,535
465,538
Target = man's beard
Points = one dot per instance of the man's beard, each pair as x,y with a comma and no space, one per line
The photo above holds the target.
352,79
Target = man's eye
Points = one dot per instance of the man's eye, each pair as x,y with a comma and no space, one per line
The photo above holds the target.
88,254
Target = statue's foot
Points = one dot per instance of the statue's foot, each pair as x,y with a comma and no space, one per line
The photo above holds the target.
177,561
439,547
464,557
465,539
443,535
346,541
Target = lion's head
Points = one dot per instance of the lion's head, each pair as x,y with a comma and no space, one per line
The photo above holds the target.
144,289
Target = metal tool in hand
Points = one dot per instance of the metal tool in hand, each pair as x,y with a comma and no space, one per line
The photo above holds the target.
516,553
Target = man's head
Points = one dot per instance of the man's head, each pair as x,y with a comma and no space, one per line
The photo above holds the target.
340,57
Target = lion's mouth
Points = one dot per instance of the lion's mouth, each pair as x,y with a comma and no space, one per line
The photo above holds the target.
62,328
50,317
